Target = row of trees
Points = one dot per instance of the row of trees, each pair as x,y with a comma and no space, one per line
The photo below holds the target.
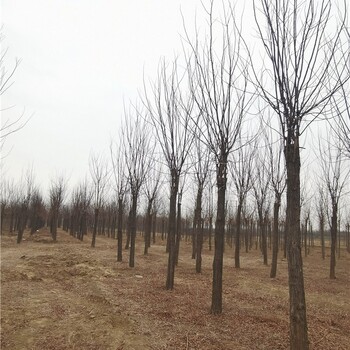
243,226
218,110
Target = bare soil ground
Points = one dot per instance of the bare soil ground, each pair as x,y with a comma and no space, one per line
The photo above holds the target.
66,295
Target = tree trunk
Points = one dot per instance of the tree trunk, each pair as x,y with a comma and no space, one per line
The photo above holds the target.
321,217
133,230
93,242
154,227
216,302
120,230
297,304
210,231
199,229
276,209
238,235
148,227
178,230
172,230
334,228
2,216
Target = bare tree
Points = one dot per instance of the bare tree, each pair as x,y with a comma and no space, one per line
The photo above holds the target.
58,190
261,186
152,185
25,193
335,179
170,114
301,61
201,158
7,190
82,196
218,83
37,211
120,179
321,207
100,176
241,172
277,173
138,156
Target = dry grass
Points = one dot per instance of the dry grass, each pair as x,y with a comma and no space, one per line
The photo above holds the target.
70,296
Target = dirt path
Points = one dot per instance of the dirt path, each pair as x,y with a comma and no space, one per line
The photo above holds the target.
66,295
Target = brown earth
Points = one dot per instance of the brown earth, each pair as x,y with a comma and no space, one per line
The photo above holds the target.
66,295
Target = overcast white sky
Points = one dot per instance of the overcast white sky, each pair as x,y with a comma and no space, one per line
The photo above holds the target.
80,59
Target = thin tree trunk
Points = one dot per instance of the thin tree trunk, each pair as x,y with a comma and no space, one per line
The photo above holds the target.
120,231
172,231
133,230
148,227
216,302
334,229
178,231
276,209
154,227
322,237
238,236
94,233
210,231
199,229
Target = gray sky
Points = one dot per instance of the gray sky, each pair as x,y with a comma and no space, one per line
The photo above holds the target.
80,59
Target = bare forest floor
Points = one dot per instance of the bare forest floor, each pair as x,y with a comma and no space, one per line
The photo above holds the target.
66,295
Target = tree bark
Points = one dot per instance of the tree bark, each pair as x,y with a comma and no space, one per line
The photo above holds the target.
133,230
94,233
148,227
334,228
172,230
216,302
297,307
199,229
238,236
178,230
276,209
120,231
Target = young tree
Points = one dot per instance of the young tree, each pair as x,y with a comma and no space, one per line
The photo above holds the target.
25,193
100,176
37,211
241,172
80,207
6,194
277,172
301,60
57,193
152,185
201,166
170,113
218,83
120,180
321,208
335,179
138,156
261,186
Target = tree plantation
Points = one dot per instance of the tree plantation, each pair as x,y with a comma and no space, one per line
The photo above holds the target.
218,218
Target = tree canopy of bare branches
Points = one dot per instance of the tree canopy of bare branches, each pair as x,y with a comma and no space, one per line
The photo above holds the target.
170,113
